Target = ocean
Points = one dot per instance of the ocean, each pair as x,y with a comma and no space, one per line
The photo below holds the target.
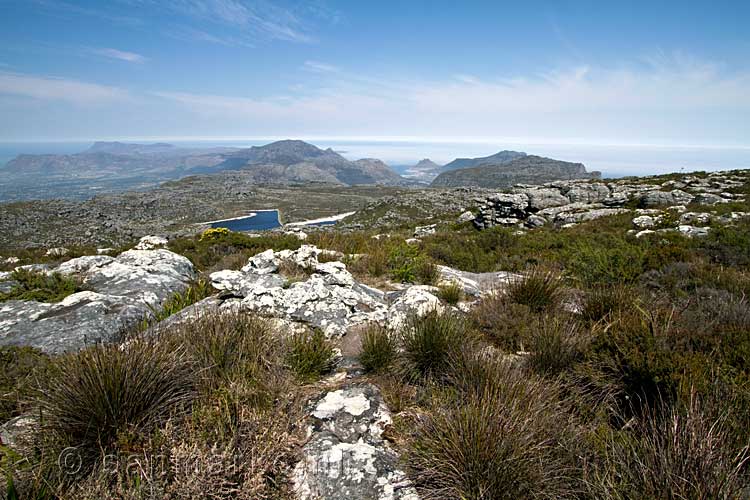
612,161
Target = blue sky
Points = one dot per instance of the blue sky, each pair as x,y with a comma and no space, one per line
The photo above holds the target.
674,73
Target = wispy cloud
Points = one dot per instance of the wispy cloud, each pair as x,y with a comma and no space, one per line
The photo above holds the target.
667,97
59,89
120,55
234,22
66,9
320,67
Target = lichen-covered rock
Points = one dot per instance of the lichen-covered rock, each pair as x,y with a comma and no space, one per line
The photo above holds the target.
594,192
465,217
122,292
657,198
421,231
330,299
545,198
151,242
346,456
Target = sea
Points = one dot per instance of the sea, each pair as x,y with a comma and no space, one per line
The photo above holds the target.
611,160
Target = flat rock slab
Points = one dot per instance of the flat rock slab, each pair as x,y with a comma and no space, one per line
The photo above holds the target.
346,457
122,292
477,284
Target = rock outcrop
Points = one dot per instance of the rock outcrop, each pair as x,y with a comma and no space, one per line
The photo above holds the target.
570,202
122,291
329,299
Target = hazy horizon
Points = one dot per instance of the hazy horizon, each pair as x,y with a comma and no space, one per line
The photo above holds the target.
612,159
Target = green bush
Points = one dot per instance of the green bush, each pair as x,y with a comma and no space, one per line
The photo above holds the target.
310,355
539,290
506,324
378,349
40,286
429,341
195,292
602,302
617,261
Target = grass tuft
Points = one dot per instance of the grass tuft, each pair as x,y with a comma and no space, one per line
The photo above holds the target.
451,293
429,341
40,286
310,355
539,290
378,349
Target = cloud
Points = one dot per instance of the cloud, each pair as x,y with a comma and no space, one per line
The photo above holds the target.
59,89
236,22
664,98
319,67
119,54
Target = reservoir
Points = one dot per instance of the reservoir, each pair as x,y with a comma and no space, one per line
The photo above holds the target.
257,221
260,220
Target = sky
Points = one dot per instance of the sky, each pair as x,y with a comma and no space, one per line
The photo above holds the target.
558,72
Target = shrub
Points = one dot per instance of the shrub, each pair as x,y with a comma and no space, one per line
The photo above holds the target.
674,453
554,345
539,290
429,341
504,323
214,233
619,261
40,286
451,293
19,366
500,440
197,291
310,355
378,349
97,396
602,302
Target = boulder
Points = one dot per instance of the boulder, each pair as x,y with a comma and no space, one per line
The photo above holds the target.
594,192
422,231
616,199
465,217
542,198
645,221
709,199
121,292
151,242
657,199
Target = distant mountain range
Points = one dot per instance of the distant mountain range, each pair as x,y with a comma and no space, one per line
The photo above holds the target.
500,171
115,166
497,159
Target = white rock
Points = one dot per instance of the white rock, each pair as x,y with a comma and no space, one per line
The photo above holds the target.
151,242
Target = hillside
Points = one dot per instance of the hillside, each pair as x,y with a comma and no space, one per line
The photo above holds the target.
108,167
521,170
496,159
305,161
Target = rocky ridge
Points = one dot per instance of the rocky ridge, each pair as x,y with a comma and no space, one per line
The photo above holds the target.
570,202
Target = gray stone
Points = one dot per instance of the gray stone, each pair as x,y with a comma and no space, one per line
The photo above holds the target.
656,199
122,292
534,221
421,231
709,199
476,284
346,456
594,192
542,198
465,217
616,199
